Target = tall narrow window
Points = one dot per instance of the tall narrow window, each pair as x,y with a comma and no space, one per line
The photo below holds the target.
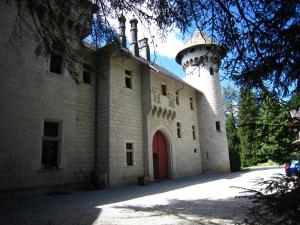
177,97
194,132
51,145
211,70
218,126
164,89
179,130
86,74
128,79
129,154
56,59
191,103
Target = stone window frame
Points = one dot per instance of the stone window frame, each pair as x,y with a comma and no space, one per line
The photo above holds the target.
54,53
178,128
164,89
86,70
51,138
130,151
194,132
128,77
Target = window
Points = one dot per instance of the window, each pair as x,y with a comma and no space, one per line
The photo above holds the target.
86,74
195,150
56,59
51,145
211,70
128,79
129,154
163,89
178,130
218,126
56,63
177,97
194,132
191,103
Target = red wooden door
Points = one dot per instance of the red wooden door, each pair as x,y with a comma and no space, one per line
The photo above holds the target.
160,157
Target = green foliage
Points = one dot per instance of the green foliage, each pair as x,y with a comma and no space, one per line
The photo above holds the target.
276,201
261,37
233,143
275,139
248,115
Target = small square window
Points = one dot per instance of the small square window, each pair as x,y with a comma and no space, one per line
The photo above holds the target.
128,79
211,70
218,126
164,89
179,130
129,154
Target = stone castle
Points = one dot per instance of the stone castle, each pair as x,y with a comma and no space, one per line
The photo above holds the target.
135,119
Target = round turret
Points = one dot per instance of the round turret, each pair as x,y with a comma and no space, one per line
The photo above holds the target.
200,59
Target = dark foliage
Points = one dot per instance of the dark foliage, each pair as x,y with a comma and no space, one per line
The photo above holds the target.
276,201
262,38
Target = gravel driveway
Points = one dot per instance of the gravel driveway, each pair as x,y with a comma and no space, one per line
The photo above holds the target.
204,199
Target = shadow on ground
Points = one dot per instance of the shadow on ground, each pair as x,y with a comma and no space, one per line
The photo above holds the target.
206,212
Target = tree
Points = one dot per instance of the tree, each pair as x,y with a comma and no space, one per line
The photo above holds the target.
248,115
262,38
274,136
230,101
233,143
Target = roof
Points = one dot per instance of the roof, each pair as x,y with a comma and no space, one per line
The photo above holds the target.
159,69
197,38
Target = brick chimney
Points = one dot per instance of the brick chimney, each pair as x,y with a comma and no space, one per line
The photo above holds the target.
144,46
134,44
122,28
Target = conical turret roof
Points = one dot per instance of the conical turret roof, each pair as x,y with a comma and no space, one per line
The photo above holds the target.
197,38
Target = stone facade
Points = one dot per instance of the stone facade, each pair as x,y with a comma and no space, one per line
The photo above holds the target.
100,119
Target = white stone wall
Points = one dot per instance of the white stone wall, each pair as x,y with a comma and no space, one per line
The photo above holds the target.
183,161
210,110
30,94
125,122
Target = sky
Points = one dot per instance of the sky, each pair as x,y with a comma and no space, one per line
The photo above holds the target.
163,51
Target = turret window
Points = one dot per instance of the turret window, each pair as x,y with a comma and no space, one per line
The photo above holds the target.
218,126
211,71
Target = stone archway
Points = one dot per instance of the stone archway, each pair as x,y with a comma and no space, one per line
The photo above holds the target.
160,157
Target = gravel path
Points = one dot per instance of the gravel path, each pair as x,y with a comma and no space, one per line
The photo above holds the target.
204,199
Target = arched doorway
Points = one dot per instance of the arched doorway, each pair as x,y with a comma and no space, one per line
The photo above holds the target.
160,157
